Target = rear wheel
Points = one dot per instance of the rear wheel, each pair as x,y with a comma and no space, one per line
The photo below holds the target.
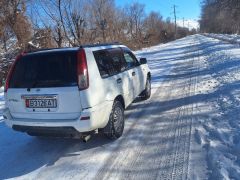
115,126
147,92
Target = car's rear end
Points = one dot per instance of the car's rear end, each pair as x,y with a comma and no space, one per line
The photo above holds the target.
43,92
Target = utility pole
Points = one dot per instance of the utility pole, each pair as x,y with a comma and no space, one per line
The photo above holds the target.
103,25
183,22
175,17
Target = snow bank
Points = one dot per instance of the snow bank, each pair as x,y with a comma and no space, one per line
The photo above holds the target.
218,131
231,38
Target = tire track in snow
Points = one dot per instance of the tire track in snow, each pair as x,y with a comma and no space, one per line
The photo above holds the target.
185,131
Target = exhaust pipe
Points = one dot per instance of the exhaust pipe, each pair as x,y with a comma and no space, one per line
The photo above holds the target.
86,138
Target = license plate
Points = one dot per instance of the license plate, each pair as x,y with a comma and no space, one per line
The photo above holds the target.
41,103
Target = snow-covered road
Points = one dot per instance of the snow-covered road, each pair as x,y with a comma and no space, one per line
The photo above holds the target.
188,129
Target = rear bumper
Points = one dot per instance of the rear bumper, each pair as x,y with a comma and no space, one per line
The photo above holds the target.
98,118
48,131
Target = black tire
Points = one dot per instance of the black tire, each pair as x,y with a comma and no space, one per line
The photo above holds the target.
114,128
146,94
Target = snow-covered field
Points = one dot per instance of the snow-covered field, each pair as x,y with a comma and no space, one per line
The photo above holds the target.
231,38
188,129
218,131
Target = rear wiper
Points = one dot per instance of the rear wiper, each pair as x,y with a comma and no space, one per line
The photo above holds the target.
33,85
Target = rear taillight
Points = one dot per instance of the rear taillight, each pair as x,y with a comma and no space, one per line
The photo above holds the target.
82,70
9,75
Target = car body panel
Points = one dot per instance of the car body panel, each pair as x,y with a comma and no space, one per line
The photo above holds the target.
94,103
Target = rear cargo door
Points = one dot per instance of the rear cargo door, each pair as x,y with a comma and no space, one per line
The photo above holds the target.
44,86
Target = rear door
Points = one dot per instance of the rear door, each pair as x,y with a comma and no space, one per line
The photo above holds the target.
112,68
123,78
44,86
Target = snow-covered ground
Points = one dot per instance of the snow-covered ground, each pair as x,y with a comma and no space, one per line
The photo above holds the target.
188,129
231,38
218,112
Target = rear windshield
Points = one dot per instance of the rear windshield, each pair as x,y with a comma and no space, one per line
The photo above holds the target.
45,70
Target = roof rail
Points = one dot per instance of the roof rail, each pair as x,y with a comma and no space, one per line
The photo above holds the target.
81,46
45,49
101,44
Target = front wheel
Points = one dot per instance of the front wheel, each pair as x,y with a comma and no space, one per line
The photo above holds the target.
147,91
115,126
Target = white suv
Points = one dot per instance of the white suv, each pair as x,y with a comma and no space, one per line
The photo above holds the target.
70,91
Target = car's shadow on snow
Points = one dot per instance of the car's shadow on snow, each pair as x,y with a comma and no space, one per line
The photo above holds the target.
21,154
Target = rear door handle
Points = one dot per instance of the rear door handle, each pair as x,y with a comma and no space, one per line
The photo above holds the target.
119,80
133,73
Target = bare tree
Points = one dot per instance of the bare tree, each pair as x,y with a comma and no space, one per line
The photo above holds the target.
220,16
136,15
153,25
13,17
102,15
76,22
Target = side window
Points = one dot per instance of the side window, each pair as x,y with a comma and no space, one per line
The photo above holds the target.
104,63
117,58
130,59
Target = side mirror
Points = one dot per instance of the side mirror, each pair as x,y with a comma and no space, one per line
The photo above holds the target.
143,61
